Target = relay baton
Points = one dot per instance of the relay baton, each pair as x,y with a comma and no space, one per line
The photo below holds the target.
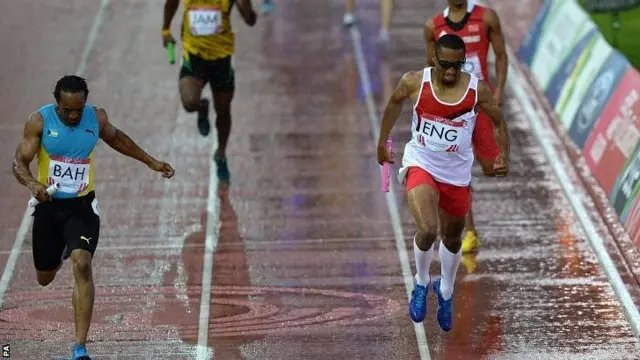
50,190
386,168
171,56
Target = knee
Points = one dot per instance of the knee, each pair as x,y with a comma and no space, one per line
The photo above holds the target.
223,112
425,239
452,239
191,105
45,277
81,264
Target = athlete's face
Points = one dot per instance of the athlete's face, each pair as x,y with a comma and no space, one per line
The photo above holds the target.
70,107
448,64
458,3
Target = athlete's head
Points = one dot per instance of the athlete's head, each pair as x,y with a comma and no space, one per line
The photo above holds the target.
449,57
458,4
71,95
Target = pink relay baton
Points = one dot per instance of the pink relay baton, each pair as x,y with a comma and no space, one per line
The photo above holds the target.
386,168
50,190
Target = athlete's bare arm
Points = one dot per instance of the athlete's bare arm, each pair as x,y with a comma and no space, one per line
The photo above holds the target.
408,85
487,103
170,8
430,39
246,11
123,144
497,43
26,151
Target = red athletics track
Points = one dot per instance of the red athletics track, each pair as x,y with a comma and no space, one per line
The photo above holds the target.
305,263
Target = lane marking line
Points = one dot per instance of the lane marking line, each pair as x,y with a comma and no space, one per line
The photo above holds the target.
520,89
212,231
392,205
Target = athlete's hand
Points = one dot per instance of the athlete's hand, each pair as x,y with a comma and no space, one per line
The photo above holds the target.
384,155
39,191
166,39
501,166
160,166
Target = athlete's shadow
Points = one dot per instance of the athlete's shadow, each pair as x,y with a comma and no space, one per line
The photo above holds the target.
229,269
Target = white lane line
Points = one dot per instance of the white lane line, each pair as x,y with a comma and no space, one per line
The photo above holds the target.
211,242
392,206
521,89
9,267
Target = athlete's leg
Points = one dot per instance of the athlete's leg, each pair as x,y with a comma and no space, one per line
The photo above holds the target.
267,6
82,233
470,242
47,242
191,84
386,9
349,8
486,151
222,84
454,205
423,197
222,105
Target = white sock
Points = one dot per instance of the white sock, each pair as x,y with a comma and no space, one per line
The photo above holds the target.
448,268
423,262
348,18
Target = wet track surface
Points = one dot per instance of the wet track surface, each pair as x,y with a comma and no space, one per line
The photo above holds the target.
304,261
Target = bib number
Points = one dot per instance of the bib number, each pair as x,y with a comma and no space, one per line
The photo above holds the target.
204,22
440,134
71,174
472,66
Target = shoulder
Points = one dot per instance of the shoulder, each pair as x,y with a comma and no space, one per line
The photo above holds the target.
101,116
101,113
490,17
437,19
34,124
412,79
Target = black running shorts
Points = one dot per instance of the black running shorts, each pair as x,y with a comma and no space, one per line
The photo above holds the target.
73,223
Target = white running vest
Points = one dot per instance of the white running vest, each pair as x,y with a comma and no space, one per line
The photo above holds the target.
441,135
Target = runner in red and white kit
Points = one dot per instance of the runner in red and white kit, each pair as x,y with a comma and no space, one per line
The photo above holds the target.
479,27
436,166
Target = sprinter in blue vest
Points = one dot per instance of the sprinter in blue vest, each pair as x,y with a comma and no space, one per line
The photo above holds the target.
67,224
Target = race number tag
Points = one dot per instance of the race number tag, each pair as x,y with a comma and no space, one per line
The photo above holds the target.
439,134
71,174
204,22
472,66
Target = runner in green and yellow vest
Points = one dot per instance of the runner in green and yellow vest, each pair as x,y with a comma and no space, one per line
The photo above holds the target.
208,44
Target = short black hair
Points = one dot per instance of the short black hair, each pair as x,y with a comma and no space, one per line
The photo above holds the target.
71,84
450,41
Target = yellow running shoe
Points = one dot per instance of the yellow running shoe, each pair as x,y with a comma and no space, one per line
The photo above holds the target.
470,243
470,262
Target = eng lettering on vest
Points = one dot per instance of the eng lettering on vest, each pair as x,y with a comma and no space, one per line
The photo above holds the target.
204,22
440,134
472,66
71,174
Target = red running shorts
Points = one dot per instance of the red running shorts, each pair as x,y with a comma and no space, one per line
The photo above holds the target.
454,200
